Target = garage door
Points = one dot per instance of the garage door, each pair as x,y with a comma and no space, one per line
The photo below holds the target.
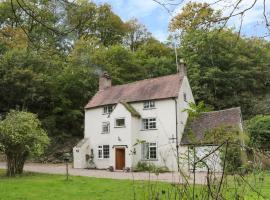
213,161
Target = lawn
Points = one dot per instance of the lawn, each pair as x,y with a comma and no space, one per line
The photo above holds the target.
32,186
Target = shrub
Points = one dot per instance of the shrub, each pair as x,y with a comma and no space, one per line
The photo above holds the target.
21,137
259,130
150,167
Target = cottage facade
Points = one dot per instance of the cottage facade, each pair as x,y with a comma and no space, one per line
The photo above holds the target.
140,121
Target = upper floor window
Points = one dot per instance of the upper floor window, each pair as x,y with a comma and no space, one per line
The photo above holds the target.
149,104
120,122
105,127
149,151
103,151
107,109
149,123
185,97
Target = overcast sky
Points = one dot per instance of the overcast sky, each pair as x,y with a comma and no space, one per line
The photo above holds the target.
156,18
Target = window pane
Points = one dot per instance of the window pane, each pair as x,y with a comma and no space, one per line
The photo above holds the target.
105,127
110,108
146,104
149,124
153,152
152,104
107,109
145,124
106,151
99,151
152,123
145,151
120,122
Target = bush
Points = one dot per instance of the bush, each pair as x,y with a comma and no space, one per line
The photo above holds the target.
259,130
233,162
150,167
21,137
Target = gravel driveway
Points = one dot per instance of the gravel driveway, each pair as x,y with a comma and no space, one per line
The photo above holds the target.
61,169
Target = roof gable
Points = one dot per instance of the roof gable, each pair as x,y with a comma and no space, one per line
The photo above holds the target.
209,121
155,88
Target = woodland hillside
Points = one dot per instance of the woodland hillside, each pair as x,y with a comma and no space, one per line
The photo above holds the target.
52,53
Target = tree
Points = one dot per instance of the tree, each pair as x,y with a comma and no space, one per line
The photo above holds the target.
120,63
156,58
230,139
259,130
195,16
195,111
21,137
225,70
235,9
136,35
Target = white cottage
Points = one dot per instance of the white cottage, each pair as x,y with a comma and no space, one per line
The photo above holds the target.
149,111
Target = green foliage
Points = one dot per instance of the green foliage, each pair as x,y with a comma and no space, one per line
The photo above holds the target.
232,152
194,16
150,167
226,70
50,62
94,188
259,130
195,111
21,137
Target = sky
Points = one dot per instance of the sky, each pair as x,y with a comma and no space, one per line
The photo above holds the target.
156,18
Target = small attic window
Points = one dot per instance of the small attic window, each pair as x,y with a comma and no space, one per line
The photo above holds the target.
107,109
149,104
185,97
120,122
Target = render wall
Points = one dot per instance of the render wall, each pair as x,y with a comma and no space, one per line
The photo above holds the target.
165,113
166,130
116,136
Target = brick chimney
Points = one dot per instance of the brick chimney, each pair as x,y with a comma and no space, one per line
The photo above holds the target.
105,81
182,68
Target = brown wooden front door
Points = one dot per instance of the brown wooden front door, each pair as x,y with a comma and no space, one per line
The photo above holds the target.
119,158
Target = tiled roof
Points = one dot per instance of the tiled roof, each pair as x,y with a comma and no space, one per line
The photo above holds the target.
208,121
155,88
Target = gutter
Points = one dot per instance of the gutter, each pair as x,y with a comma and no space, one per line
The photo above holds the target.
176,133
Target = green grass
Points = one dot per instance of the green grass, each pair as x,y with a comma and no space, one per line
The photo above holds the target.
32,186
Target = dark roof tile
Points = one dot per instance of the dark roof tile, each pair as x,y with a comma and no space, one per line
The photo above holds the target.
208,121
155,88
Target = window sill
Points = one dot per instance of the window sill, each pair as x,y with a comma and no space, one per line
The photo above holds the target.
104,133
149,108
120,127
144,160
153,129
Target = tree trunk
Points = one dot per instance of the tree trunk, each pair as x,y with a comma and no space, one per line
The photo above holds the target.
11,165
15,163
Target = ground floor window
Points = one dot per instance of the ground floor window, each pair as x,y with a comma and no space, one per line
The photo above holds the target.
103,151
149,151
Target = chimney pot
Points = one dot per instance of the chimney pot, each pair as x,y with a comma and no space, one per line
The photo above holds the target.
105,81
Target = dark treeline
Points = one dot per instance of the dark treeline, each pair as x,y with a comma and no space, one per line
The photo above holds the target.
52,53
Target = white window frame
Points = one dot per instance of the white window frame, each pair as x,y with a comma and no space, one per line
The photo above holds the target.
101,152
107,109
115,123
147,123
148,147
108,127
149,104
